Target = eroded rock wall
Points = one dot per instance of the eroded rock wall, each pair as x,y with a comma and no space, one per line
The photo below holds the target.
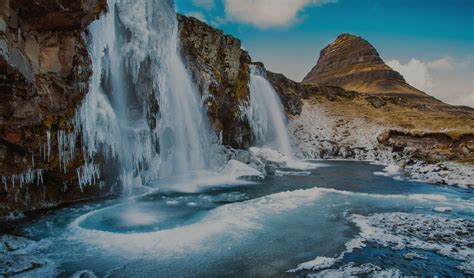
44,75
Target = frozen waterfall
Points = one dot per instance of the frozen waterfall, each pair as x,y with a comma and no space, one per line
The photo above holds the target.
142,111
266,115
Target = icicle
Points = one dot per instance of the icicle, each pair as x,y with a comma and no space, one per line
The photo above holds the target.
48,140
4,182
79,180
29,176
60,148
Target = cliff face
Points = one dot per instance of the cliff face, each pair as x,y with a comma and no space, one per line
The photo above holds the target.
44,69
353,63
221,69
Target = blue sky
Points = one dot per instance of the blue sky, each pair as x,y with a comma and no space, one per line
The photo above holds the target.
431,42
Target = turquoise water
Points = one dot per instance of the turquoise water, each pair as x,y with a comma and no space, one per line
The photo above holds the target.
245,230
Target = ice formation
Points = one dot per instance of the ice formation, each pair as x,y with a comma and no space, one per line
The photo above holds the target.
136,67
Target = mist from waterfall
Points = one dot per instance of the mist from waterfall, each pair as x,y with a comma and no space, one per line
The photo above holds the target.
266,114
142,110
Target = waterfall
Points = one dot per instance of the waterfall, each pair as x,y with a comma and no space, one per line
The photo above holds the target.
266,114
142,111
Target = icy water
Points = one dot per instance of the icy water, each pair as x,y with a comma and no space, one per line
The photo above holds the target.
252,229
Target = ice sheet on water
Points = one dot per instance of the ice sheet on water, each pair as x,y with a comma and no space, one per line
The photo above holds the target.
450,173
353,270
316,264
391,170
206,200
231,220
84,274
325,262
136,217
426,198
442,209
281,173
450,237
19,259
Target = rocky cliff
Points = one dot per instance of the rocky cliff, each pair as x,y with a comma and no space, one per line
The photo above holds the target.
221,69
44,69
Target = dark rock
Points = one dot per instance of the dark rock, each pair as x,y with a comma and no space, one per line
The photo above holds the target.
44,75
220,67
270,169
375,101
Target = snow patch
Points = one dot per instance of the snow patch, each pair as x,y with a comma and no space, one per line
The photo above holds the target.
318,133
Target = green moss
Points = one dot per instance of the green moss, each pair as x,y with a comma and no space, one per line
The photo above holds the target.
47,122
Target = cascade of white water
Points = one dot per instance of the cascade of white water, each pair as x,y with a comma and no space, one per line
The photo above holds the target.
266,115
136,66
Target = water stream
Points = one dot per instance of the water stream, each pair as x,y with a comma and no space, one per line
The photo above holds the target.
266,115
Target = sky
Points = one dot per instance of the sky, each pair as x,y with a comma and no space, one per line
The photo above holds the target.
430,42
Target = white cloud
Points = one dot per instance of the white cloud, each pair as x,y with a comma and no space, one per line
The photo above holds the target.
205,4
267,13
416,73
448,80
445,63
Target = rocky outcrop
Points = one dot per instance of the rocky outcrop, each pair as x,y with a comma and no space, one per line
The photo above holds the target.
430,146
292,93
221,69
421,141
353,63
44,75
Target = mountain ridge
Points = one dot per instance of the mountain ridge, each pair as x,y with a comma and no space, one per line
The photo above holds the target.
352,63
